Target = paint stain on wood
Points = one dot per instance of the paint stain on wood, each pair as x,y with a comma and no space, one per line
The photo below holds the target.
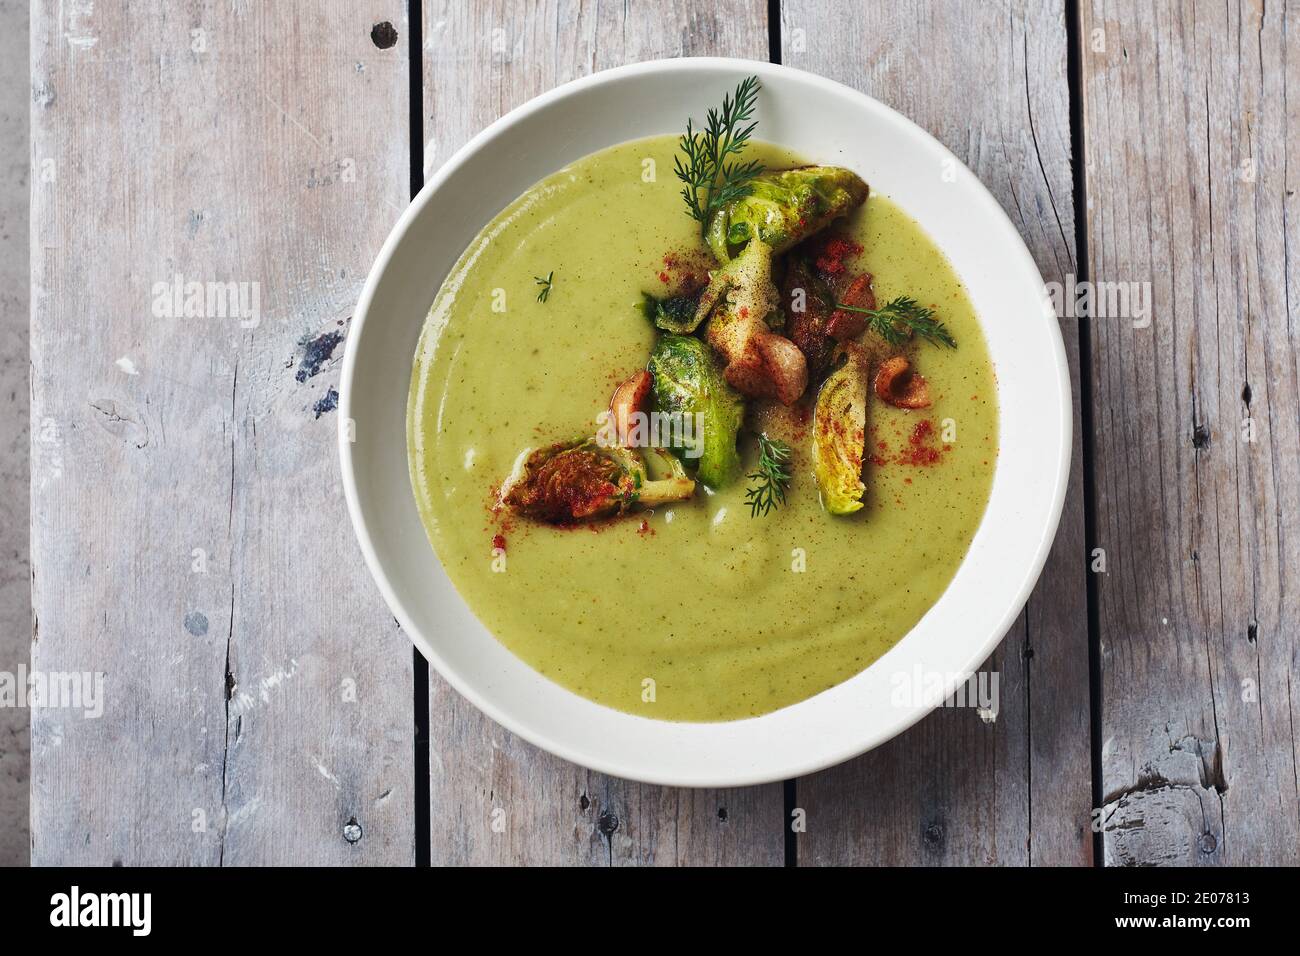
317,351
196,622
327,403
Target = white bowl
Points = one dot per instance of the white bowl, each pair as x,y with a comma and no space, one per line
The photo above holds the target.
828,123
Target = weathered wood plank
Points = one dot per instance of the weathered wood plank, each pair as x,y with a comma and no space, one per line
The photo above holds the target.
190,540
15,569
989,80
1192,112
482,59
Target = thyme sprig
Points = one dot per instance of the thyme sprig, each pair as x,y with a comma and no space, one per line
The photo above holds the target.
712,171
900,315
771,479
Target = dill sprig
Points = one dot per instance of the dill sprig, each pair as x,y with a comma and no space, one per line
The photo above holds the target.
772,477
900,315
545,284
712,171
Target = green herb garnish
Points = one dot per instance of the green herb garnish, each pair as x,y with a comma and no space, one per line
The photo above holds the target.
772,477
712,172
545,284
900,315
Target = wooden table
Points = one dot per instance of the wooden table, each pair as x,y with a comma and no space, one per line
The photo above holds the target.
189,537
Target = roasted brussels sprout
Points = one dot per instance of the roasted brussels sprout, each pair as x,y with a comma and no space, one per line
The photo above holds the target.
689,386
784,207
743,287
677,313
585,479
839,434
740,303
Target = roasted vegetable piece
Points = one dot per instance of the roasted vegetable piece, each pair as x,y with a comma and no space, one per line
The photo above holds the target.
688,381
676,313
742,286
583,479
628,398
900,385
843,324
808,303
785,207
738,302
815,280
839,434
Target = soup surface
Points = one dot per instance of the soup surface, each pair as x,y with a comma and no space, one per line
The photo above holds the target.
696,611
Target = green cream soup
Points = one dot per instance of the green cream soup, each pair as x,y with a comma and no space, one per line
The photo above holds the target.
694,611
